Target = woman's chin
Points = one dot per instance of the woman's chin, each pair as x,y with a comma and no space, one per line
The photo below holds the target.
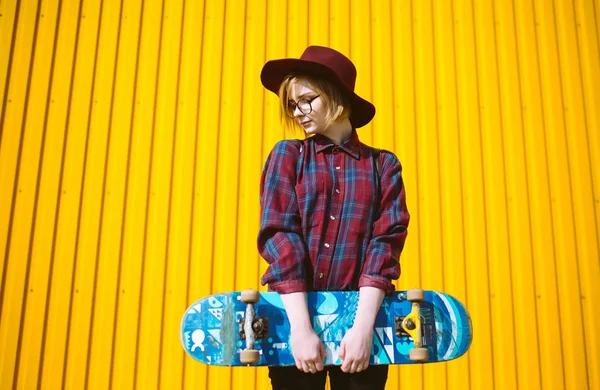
311,129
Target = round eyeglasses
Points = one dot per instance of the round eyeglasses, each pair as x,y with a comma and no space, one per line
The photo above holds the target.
304,105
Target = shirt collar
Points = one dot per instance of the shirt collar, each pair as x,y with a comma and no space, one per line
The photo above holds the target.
351,146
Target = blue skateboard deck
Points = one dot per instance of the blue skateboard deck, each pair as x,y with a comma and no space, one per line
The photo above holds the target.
212,328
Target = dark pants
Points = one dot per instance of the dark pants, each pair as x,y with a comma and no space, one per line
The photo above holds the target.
290,378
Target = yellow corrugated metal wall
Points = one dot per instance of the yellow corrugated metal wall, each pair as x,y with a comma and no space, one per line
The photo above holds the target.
133,134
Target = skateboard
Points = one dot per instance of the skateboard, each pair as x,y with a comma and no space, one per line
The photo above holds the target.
252,328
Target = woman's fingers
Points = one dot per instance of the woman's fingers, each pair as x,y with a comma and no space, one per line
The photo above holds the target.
347,365
309,366
352,366
305,367
363,365
321,358
308,351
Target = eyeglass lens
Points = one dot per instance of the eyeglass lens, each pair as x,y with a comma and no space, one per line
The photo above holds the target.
303,105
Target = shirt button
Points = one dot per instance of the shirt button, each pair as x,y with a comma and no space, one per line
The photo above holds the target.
326,245
338,168
332,217
321,275
337,191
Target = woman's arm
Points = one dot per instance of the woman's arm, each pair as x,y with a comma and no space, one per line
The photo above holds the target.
307,348
368,306
280,240
281,244
355,349
382,262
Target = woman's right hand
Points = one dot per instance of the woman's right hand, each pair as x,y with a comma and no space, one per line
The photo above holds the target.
308,350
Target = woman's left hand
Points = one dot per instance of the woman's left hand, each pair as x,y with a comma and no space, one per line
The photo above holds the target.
355,350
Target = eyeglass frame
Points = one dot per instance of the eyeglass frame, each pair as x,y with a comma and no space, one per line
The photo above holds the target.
291,114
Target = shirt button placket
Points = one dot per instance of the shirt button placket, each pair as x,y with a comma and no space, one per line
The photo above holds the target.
334,223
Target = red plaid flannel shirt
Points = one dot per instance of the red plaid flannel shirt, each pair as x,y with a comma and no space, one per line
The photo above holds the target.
325,225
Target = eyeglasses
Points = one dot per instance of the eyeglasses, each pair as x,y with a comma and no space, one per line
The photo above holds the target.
304,105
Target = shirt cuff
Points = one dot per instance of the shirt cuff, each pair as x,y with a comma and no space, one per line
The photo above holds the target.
288,286
377,282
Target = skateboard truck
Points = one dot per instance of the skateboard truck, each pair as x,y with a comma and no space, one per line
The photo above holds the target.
411,325
260,327
252,328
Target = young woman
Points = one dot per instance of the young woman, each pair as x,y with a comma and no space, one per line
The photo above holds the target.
333,216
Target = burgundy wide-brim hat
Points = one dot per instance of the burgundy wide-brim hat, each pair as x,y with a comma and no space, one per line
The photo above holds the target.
322,62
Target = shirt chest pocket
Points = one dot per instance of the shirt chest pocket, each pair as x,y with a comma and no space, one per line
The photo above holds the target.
311,203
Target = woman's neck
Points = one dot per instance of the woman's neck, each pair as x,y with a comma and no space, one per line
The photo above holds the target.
339,132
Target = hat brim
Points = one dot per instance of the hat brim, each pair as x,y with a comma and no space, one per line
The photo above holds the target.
275,71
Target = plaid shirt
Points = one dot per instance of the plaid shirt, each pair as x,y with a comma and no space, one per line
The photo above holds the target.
324,223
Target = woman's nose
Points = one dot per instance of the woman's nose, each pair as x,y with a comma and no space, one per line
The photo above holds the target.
297,112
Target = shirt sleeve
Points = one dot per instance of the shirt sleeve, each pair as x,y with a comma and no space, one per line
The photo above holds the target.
280,240
382,263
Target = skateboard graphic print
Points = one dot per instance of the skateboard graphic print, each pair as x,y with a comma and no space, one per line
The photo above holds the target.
237,329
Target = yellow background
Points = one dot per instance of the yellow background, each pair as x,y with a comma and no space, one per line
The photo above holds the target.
133,137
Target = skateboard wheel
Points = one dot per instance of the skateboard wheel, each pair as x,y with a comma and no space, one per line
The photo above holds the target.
419,354
249,356
250,296
415,295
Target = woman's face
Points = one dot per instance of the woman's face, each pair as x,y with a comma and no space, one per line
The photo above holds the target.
302,98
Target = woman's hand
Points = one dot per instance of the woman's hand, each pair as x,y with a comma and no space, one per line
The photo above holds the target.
355,349
308,350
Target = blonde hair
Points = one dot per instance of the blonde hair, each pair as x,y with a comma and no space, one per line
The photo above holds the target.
337,105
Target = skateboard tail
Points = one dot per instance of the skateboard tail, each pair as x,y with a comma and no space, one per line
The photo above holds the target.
208,330
453,325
